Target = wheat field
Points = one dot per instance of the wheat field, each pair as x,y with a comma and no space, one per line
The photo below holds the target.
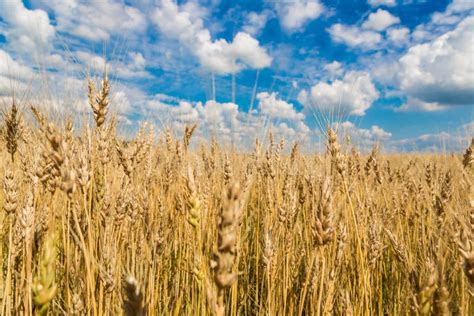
92,223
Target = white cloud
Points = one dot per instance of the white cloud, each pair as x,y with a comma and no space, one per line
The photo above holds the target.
380,20
398,35
132,67
354,94
68,94
455,141
388,3
171,112
425,142
221,117
185,112
121,102
28,30
96,20
9,85
384,71
334,69
91,60
442,22
303,129
374,133
270,105
445,19
416,105
440,72
283,129
217,56
137,60
255,22
379,133
453,12
460,6
295,14
363,138
14,76
297,131
195,9
247,49
354,37
13,68
225,120
368,35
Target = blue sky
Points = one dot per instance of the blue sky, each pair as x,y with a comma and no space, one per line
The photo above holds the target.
396,71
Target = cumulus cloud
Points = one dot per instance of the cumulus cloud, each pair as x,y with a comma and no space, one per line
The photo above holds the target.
363,137
255,22
284,118
13,74
295,14
435,142
284,129
334,69
68,94
380,20
11,67
354,94
416,105
270,105
137,60
8,85
460,5
226,120
298,131
441,22
368,36
170,112
354,37
374,133
440,72
121,102
195,9
90,59
28,30
388,3
131,67
222,117
184,112
398,35
453,12
95,20
218,56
